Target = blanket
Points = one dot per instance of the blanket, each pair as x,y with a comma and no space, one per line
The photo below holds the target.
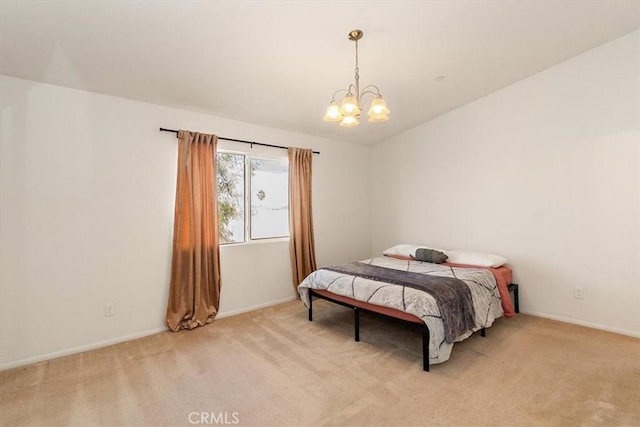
452,295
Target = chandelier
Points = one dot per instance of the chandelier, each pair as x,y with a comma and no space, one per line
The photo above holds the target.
348,112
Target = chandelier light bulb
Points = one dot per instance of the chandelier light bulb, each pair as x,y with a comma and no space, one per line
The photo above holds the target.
378,106
376,109
378,119
349,104
349,121
333,113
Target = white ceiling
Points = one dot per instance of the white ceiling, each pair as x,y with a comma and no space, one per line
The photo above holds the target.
278,63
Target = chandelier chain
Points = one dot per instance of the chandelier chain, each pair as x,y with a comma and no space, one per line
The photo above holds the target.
356,54
357,75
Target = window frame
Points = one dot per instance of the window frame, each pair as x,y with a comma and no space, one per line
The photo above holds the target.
247,197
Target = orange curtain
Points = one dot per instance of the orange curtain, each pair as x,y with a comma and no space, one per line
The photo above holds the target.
301,242
194,293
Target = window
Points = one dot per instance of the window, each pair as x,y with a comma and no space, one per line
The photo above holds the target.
256,186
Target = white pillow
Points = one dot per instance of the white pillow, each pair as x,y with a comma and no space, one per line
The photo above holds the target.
406,250
480,259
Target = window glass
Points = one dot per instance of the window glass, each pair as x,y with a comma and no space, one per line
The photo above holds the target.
269,198
230,173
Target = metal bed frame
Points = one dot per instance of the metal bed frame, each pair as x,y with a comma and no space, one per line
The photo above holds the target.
423,327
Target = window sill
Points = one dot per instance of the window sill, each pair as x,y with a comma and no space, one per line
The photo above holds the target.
256,242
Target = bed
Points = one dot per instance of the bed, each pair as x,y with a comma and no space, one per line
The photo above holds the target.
393,288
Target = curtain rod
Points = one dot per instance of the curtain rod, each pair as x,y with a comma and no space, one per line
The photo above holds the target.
237,140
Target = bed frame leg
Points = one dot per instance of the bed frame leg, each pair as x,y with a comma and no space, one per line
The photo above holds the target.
356,321
310,306
483,332
425,349
516,301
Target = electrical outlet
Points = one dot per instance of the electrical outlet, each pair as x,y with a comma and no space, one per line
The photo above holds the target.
109,310
578,292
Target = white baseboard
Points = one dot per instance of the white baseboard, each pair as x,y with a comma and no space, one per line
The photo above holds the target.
112,341
583,323
79,349
224,314
105,343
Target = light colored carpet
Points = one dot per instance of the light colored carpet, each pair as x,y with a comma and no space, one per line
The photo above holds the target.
274,368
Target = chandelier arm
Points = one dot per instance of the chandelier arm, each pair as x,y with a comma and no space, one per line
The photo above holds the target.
333,98
366,90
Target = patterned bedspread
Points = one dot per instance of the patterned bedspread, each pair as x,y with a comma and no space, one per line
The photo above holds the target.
482,284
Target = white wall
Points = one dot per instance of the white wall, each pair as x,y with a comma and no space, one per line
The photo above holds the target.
87,190
544,172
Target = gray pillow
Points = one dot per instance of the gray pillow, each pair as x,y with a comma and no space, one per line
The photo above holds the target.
430,255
